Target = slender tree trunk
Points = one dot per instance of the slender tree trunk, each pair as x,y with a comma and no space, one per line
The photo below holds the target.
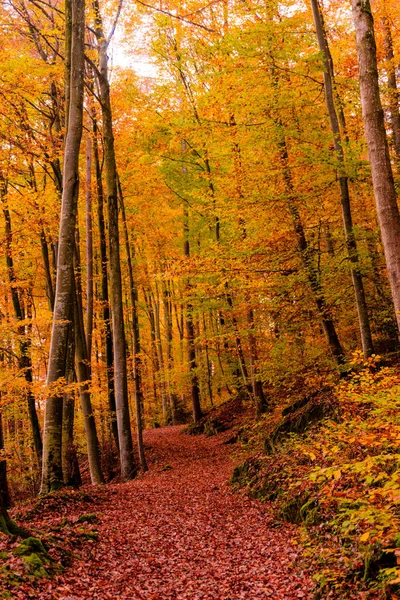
167,305
52,475
190,333
4,492
83,373
157,358
7,526
327,323
24,359
89,250
256,383
137,366
104,287
378,151
47,269
128,466
70,465
329,85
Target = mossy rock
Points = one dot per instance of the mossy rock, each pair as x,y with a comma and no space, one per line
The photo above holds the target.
30,545
35,556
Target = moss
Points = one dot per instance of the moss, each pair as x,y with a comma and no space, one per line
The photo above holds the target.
309,512
91,535
30,545
213,427
9,527
300,509
88,518
240,475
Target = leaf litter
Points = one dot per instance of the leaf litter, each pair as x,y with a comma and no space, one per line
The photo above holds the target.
176,534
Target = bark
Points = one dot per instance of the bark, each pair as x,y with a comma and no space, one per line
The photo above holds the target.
256,383
4,492
7,525
156,355
47,269
83,373
378,151
329,86
189,326
207,361
167,305
394,113
137,366
89,250
104,287
305,253
128,466
70,465
52,475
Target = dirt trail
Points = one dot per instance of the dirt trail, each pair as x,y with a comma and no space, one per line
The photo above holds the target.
179,532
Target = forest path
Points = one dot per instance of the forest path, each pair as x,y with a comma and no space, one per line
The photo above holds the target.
181,533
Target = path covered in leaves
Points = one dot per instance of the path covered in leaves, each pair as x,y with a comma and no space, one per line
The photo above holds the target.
179,532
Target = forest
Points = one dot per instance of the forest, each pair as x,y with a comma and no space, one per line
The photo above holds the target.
200,299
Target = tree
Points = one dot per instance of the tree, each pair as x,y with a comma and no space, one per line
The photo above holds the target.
378,150
334,106
52,475
128,467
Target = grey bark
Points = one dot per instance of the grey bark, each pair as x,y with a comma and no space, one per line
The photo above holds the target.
52,475
128,466
378,151
137,366
104,287
394,113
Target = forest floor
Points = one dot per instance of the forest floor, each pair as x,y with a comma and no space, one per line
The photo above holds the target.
176,532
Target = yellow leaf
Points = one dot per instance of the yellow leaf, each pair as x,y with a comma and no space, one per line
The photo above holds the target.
364,536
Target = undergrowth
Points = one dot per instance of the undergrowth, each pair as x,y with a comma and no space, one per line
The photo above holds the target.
341,481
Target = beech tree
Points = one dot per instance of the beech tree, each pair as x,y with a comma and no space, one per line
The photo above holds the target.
52,476
378,150
128,467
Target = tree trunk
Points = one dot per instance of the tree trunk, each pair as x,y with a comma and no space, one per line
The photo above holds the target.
52,475
24,359
167,305
378,151
136,340
303,248
104,287
256,383
329,85
394,113
89,250
190,333
69,459
83,373
128,466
